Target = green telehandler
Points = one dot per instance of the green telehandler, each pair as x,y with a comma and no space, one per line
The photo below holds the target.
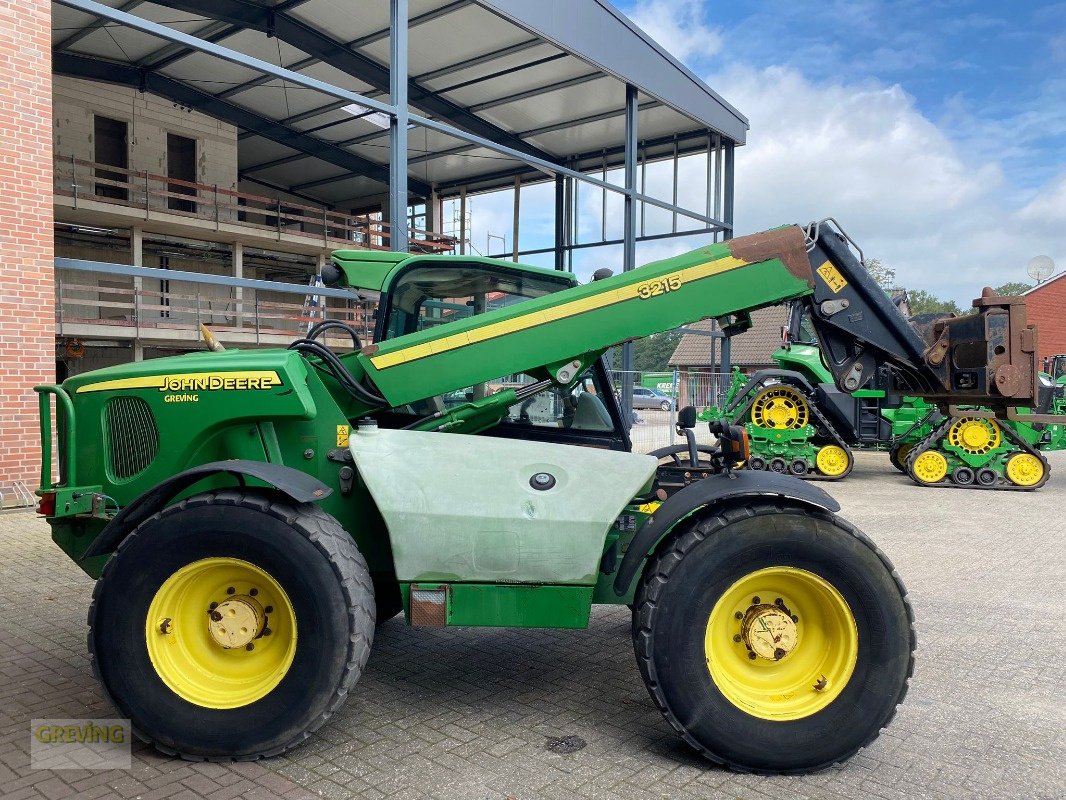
251,515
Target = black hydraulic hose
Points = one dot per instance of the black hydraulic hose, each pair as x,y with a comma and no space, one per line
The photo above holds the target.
339,371
320,327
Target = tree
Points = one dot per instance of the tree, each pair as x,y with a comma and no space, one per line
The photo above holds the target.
923,302
651,354
1013,288
885,276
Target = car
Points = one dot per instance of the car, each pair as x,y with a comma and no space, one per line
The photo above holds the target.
651,398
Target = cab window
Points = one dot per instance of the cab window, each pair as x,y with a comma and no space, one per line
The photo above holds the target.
432,294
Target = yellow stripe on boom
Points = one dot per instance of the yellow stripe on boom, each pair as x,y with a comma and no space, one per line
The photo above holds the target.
534,318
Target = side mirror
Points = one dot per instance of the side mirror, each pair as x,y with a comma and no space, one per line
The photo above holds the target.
686,417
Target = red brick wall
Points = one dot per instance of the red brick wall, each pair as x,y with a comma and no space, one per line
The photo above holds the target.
1047,310
27,299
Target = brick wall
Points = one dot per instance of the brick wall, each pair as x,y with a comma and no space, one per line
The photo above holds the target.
1047,310
27,344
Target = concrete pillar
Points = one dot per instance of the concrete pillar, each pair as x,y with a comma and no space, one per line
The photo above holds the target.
238,291
137,259
27,282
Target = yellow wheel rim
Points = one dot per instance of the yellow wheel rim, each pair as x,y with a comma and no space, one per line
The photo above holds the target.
902,453
974,435
930,467
1025,469
832,460
781,643
221,633
780,408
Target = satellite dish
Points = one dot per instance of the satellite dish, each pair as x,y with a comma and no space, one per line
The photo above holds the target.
1040,268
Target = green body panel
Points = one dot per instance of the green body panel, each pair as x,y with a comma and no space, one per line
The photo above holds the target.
501,605
805,359
461,508
375,270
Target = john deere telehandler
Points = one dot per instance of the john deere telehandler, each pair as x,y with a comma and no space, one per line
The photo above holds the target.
249,515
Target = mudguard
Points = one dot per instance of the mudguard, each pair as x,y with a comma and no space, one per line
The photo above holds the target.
786,376
707,492
299,486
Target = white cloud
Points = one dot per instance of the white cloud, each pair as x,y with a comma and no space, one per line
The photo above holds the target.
910,193
901,187
678,26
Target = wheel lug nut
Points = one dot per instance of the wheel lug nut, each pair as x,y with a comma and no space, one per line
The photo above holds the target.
795,618
779,653
752,656
779,602
267,631
736,637
738,615
216,616
253,592
231,590
268,610
212,607
249,646
755,600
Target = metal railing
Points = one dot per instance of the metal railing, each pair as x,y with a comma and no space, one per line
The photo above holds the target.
169,301
82,180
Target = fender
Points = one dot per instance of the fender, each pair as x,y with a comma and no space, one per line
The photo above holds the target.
786,376
707,492
299,486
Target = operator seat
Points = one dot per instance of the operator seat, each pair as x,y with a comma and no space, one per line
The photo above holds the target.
590,414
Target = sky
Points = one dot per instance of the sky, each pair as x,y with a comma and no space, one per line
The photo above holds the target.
933,130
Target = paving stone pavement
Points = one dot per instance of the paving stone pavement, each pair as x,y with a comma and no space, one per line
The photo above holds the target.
468,713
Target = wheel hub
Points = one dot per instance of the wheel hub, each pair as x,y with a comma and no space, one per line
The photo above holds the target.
769,632
235,622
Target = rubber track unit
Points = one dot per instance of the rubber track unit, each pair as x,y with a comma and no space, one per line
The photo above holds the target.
348,564
937,435
669,556
815,412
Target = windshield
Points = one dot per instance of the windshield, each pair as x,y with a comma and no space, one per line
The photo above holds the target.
435,294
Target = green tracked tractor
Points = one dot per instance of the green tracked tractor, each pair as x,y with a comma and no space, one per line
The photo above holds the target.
251,515
972,448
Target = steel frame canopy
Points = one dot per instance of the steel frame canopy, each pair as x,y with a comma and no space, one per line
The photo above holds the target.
492,91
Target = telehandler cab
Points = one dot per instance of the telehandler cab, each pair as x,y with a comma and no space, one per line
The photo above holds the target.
249,515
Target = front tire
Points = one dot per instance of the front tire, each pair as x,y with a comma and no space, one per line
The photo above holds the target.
231,625
816,694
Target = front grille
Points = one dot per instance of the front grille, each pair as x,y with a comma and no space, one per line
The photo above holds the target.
132,437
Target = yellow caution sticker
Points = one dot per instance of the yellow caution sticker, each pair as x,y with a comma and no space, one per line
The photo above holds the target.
832,277
649,508
342,435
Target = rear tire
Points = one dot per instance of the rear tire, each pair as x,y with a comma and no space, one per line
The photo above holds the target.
309,567
682,660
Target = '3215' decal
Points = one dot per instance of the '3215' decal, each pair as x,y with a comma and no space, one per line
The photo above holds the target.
649,289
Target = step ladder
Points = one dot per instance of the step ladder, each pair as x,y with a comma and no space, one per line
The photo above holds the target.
314,305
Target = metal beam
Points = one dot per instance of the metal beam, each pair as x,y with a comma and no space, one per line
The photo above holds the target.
127,75
398,126
77,36
314,112
104,267
629,235
334,52
355,44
